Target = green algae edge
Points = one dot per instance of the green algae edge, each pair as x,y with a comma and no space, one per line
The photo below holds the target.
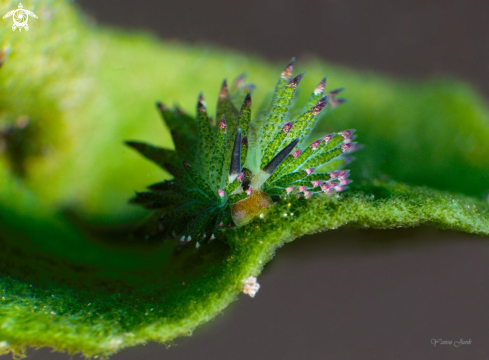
104,319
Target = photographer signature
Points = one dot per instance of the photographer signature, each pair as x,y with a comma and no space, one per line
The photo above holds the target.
455,343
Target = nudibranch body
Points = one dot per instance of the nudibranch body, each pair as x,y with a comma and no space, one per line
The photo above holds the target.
225,174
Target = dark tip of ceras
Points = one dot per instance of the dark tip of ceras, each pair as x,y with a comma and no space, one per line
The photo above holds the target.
333,175
287,73
319,106
320,88
335,92
201,107
336,102
244,142
344,174
327,187
296,153
287,127
239,81
201,104
295,81
327,138
161,106
349,139
355,147
346,133
247,100
235,167
277,160
316,144
222,124
346,147
224,92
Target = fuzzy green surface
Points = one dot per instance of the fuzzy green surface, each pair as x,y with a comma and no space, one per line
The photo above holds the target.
86,288
117,298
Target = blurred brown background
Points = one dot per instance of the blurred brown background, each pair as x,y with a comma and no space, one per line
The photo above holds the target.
405,38
347,294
